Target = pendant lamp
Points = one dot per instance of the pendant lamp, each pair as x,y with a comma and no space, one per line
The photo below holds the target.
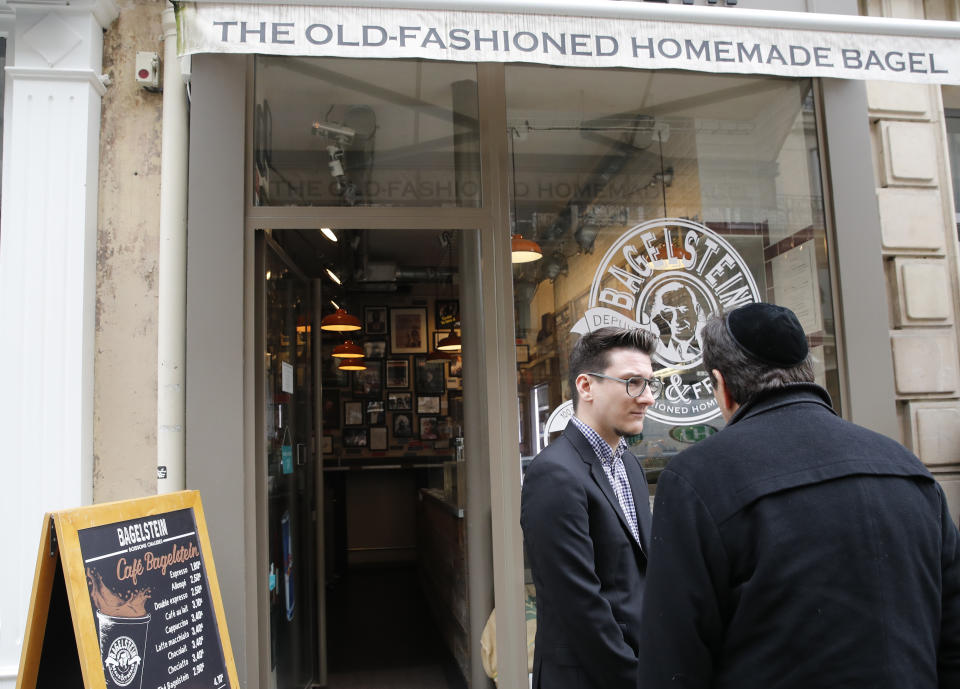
438,357
353,365
451,343
524,250
348,350
340,321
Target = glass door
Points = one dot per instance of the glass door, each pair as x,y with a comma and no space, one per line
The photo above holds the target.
290,459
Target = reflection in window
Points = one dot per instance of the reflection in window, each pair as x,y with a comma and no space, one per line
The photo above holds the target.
659,199
333,132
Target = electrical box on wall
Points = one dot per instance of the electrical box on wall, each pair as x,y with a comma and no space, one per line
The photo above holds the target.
148,70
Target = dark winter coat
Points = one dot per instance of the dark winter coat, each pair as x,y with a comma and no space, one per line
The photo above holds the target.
587,567
795,550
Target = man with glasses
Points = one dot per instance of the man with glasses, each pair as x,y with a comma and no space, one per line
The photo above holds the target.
794,549
586,519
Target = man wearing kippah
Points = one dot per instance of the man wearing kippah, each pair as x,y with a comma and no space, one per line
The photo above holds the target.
796,550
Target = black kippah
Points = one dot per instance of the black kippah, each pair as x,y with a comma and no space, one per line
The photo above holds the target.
769,333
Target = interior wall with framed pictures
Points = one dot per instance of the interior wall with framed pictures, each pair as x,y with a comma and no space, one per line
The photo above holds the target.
401,323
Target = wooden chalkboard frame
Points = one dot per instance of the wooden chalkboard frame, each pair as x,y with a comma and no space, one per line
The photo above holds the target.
60,545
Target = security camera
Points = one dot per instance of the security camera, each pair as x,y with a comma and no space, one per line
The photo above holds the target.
333,131
336,160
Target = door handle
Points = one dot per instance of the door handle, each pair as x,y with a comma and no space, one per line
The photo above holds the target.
301,454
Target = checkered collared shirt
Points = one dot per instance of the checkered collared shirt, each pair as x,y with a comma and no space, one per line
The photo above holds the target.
612,462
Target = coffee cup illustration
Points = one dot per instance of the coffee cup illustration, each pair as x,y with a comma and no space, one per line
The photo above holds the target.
122,622
123,641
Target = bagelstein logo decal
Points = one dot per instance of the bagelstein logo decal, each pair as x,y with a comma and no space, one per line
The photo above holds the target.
668,276
122,660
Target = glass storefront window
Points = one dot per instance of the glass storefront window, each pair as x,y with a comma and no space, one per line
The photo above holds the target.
658,199
337,132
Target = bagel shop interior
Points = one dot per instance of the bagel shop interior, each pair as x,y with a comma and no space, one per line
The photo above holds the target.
393,250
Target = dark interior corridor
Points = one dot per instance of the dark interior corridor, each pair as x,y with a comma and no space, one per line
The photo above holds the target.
381,633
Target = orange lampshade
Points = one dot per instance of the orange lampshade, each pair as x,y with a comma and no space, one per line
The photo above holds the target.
340,321
348,350
524,250
353,365
451,343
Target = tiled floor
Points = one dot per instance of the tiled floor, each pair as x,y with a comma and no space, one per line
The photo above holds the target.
381,634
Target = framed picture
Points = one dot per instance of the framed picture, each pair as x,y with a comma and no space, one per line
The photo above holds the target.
408,330
455,367
375,412
327,445
378,438
353,413
355,437
402,425
375,349
428,404
440,334
400,401
428,378
398,373
333,377
444,428
523,353
447,313
428,428
331,408
369,383
375,320
455,407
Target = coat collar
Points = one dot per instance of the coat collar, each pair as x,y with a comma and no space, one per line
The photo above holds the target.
791,393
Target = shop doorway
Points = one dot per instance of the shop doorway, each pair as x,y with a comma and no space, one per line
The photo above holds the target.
366,544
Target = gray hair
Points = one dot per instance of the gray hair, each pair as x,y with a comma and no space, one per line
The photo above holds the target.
591,353
745,376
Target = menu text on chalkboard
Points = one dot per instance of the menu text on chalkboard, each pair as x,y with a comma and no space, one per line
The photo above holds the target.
151,602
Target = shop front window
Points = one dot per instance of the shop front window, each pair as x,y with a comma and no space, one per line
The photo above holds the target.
658,199
337,132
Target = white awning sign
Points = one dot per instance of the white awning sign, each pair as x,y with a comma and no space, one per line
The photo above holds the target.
561,40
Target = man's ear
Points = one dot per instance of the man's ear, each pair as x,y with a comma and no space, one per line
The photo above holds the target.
722,393
584,393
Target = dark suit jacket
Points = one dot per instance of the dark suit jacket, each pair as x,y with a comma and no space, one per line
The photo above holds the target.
795,550
587,567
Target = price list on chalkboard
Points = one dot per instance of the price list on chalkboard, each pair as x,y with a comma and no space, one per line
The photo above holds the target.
151,602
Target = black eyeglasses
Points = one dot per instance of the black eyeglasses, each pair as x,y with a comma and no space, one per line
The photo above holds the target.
636,384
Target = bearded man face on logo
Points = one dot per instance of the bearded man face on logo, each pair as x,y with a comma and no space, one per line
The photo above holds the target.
679,317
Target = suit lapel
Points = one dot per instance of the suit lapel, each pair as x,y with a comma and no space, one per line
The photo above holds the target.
641,496
596,470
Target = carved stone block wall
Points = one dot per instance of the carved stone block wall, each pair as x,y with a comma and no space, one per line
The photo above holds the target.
919,239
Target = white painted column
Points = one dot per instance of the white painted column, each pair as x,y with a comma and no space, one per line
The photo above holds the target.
48,234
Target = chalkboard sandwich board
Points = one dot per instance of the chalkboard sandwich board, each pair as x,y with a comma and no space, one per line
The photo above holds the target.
125,596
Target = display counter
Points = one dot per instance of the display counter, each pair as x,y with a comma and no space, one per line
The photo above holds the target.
442,568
